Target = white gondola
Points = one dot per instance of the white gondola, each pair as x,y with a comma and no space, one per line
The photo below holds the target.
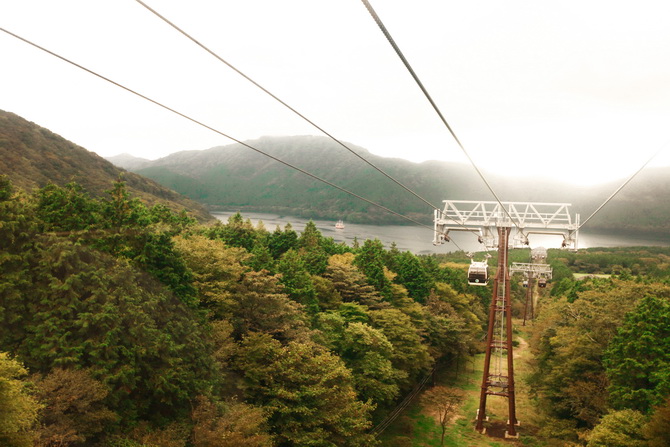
542,282
525,283
478,273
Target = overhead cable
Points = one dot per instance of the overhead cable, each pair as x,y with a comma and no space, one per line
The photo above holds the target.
284,103
383,425
430,99
622,186
217,131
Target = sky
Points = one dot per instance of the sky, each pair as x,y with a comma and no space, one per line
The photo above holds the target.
573,90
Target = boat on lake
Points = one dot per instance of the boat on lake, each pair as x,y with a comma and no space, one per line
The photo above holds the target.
339,225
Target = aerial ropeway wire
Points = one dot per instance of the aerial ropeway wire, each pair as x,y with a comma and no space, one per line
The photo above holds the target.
623,185
386,33
64,59
329,135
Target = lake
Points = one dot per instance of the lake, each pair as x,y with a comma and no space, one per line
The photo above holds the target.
419,240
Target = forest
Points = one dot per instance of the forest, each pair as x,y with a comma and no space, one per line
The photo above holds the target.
127,325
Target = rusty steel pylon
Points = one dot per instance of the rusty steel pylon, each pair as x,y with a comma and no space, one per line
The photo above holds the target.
537,269
481,218
529,299
498,377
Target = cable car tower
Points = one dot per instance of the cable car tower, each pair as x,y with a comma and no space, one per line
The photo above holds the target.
482,218
536,269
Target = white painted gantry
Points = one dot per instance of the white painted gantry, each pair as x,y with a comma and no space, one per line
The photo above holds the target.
537,270
528,218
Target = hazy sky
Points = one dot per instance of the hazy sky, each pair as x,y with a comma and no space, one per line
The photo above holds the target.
572,89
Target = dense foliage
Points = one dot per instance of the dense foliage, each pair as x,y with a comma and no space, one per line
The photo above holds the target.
600,369
128,325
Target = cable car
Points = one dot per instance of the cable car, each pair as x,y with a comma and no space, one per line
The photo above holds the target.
542,282
478,273
525,283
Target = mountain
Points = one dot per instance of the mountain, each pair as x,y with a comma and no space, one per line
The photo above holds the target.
235,177
127,161
33,156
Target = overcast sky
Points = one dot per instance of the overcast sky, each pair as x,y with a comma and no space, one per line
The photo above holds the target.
578,90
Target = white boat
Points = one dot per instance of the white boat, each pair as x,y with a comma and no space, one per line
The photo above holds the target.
339,225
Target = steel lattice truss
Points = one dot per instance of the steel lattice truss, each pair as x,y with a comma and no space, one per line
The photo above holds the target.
537,270
528,218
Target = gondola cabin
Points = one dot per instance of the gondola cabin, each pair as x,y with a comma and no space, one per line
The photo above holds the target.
478,273
525,283
542,282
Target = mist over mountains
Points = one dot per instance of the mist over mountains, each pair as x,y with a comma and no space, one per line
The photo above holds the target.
235,177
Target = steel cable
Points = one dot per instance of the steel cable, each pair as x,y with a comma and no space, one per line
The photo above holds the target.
217,131
622,186
201,45
386,33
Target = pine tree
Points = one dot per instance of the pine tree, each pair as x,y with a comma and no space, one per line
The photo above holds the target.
637,360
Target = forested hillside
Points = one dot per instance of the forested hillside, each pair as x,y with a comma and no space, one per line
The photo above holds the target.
138,327
33,156
235,177
127,325
124,322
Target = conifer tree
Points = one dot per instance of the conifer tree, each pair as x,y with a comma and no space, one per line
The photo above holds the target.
637,360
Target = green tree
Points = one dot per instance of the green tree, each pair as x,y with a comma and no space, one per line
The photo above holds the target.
349,282
619,429
410,355
297,281
367,353
87,310
326,293
18,407
412,275
311,249
261,306
307,392
370,260
66,209
129,235
122,211
17,239
279,242
569,341
261,259
637,360
217,270
236,233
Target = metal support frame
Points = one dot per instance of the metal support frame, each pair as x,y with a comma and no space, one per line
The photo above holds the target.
500,381
529,299
481,218
528,218
536,269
